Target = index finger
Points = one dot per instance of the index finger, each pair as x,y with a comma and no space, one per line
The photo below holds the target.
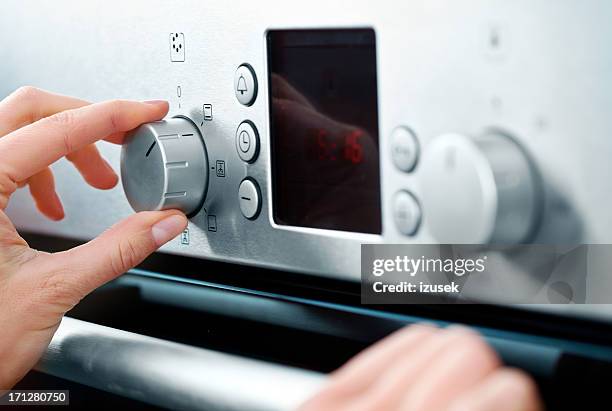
29,104
30,149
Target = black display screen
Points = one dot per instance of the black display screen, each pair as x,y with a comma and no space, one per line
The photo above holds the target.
324,129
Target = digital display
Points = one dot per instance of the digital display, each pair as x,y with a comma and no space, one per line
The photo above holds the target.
324,129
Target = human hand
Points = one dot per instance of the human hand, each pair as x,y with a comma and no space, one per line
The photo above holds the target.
36,288
422,368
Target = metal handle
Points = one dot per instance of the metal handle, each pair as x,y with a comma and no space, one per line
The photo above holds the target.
172,375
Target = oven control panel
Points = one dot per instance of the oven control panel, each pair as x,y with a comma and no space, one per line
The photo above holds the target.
294,136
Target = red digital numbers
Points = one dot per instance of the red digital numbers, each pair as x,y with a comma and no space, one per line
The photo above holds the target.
353,151
327,149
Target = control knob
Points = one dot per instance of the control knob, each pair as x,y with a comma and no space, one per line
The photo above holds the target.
164,165
479,190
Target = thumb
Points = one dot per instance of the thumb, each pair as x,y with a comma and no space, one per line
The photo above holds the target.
117,250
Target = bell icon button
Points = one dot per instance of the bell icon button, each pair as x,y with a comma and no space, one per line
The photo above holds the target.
242,87
245,85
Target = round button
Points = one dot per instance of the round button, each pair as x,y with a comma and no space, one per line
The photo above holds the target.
404,149
245,85
406,212
247,141
244,141
165,165
249,198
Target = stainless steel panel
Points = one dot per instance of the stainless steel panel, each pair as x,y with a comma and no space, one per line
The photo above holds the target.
547,83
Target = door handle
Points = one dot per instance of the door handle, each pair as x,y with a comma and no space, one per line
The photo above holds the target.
170,374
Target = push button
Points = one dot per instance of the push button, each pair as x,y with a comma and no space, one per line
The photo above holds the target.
244,141
406,213
249,198
247,141
245,85
404,149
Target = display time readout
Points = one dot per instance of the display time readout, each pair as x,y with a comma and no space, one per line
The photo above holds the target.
346,147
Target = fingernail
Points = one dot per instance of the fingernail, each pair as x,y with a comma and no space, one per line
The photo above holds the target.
155,102
168,228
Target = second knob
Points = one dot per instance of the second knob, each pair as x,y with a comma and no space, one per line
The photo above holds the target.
479,190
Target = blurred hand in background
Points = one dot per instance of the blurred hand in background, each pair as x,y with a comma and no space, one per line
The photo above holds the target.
423,368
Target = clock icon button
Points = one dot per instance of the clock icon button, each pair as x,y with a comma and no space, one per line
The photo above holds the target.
247,141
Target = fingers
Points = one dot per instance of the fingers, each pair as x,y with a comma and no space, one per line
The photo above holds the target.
42,188
54,283
94,169
460,364
503,390
125,245
354,382
371,363
424,368
29,104
30,149
410,367
119,136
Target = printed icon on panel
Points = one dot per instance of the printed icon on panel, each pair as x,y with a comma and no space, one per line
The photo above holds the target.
212,223
242,87
207,112
177,47
185,237
244,141
220,168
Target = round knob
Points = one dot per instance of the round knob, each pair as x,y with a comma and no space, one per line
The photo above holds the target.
164,165
481,190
